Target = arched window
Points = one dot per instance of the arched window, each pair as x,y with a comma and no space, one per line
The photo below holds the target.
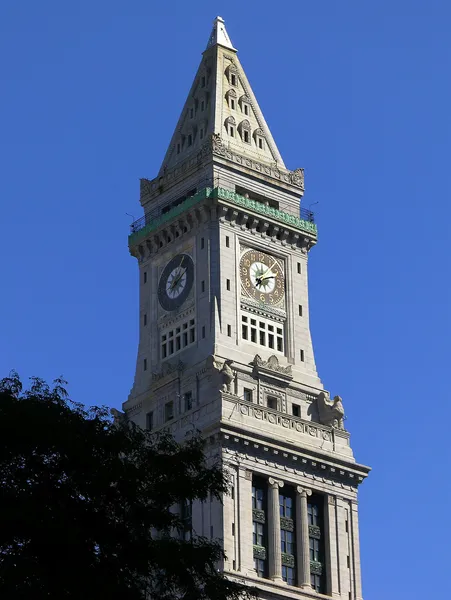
231,98
230,125
244,129
259,137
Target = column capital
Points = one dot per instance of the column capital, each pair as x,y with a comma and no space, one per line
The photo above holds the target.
302,491
275,483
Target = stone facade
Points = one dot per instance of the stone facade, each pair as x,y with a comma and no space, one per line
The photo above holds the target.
234,359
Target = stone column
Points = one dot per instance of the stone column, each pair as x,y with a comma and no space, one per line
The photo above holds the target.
243,524
302,537
356,549
274,547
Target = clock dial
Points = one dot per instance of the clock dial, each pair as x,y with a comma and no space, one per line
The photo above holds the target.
176,282
262,277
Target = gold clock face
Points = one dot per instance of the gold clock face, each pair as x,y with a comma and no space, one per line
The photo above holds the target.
262,277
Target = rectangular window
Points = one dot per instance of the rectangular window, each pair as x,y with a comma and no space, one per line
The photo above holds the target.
202,243
192,332
203,331
202,285
244,332
145,364
260,143
288,575
145,319
287,541
149,421
286,507
178,148
296,410
232,103
246,135
259,566
202,105
246,109
314,549
301,353
229,330
168,411
258,496
227,241
228,285
300,310
233,528
188,401
191,113
271,402
232,132
247,395
202,81
145,276
190,140
201,133
299,267
258,532
233,79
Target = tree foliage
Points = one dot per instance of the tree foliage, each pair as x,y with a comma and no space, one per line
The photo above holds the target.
86,505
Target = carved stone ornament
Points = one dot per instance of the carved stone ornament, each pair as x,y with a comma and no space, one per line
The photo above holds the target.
316,567
272,364
226,375
118,417
167,369
331,412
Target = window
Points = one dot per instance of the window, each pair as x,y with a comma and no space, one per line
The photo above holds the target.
260,567
149,421
296,410
178,148
247,395
287,541
203,331
188,401
227,241
231,131
145,364
260,143
202,243
202,105
233,79
288,575
191,113
169,411
201,134
314,549
145,319
315,582
258,496
271,402
190,139
301,352
262,332
175,340
232,103
145,276
246,109
228,285
299,268
202,285
258,534
300,310
202,81
286,508
246,136
233,528
229,330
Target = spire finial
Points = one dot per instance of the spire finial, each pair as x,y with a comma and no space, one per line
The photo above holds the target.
219,35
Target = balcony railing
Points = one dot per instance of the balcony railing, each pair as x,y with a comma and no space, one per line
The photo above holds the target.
306,220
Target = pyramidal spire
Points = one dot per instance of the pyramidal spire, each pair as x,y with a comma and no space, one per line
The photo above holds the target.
221,106
219,35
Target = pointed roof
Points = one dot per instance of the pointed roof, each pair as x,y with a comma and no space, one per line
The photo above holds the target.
219,35
221,103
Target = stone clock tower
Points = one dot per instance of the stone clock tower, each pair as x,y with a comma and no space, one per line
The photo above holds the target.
225,345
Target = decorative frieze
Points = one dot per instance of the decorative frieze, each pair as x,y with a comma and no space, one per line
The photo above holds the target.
287,560
314,531
286,523
259,552
316,567
258,515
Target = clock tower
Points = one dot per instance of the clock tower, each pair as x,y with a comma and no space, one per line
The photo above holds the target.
225,345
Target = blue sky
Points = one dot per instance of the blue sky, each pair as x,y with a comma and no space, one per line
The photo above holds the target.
90,94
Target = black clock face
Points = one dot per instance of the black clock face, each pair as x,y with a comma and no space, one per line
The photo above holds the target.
176,282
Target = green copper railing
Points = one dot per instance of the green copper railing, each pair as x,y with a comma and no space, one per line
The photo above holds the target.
145,225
